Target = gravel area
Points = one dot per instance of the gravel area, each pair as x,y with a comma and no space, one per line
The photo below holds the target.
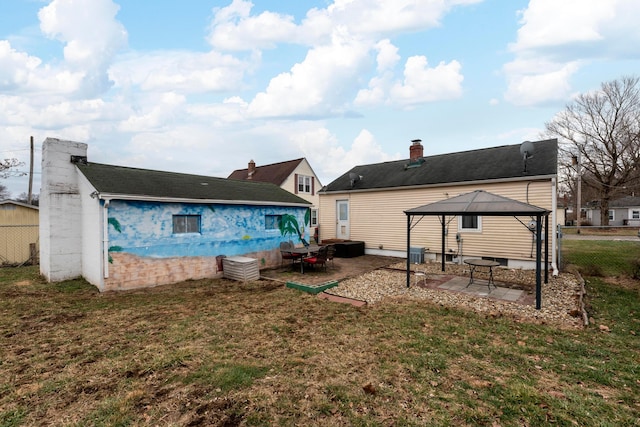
561,297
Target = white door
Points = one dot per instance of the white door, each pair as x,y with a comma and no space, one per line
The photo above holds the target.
342,219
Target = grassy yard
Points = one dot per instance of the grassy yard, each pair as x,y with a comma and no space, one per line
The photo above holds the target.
216,352
602,257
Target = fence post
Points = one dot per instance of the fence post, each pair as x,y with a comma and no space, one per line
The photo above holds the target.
560,266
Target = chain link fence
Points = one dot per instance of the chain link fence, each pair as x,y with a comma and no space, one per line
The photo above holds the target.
600,251
19,245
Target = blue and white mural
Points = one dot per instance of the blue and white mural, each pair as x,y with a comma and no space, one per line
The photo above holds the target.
163,230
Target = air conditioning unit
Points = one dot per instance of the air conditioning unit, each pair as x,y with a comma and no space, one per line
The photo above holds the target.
416,255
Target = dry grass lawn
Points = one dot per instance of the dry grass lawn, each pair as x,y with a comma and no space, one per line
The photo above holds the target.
223,353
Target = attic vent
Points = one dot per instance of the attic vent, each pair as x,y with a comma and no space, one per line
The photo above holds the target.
79,160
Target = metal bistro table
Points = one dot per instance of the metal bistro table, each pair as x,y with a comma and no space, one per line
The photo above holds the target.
303,252
475,263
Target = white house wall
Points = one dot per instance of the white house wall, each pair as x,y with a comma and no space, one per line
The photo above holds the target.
60,211
290,183
92,232
378,219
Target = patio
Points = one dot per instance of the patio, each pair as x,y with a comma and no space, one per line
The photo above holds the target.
455,279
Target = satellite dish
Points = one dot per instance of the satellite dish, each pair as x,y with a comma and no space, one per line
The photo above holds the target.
354,177
526,151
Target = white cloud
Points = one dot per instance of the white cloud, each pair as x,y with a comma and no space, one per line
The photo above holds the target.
421,84
187,72
424,84
329,159
233,27
557,38
91,34
536,81
387,55
319,85
162,115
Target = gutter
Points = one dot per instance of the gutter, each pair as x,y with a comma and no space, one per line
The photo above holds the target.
113,196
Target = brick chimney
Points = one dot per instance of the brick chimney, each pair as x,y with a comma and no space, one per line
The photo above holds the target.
416,150
251,170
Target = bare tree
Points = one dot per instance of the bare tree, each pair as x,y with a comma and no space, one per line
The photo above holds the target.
4,192
6,167
602,130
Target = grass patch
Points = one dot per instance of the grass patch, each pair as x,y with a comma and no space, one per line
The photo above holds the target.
601,257
227,353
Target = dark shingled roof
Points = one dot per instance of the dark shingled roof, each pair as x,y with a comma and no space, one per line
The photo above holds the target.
275,173
494,163
625,202
122,180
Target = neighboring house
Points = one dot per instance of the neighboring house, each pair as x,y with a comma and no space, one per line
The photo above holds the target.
18,232
368,202
623,211
295,176
124,228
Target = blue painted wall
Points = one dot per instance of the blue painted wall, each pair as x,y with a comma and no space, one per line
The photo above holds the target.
146,229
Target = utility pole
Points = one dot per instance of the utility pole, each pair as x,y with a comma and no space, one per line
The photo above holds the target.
576,161
30,174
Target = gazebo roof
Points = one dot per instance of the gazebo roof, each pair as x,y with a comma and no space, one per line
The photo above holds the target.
478,202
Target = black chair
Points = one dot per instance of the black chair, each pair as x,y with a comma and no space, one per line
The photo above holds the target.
331,253
318,259
285,252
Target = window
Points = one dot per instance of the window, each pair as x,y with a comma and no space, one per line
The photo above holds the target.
469,223
314,217
186,224
635,214
272,222
612,217
304,184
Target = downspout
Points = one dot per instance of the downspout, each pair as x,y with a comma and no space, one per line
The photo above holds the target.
105,238
554,234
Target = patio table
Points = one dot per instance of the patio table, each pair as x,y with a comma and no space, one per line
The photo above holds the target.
303,252
475,263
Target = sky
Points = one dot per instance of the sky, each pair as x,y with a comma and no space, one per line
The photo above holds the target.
205,86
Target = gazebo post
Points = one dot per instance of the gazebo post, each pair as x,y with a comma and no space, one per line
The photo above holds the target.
546,249
538,260
408,250
443,232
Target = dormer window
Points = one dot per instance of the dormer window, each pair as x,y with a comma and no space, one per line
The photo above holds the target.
304,184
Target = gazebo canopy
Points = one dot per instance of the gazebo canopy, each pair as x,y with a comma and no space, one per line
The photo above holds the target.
478,202
482,203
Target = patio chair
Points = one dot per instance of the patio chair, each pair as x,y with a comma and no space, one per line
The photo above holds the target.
419,275
285,252
318,259
331,252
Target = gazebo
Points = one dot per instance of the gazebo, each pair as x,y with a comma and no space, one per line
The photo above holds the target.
483,203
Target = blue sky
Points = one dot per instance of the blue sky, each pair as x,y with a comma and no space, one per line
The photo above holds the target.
204,86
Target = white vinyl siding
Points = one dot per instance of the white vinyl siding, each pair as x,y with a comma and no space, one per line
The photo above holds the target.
378,219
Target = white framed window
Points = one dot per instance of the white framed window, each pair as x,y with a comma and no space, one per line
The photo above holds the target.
186,224
304,184
314,217
612,216
470,223
635,214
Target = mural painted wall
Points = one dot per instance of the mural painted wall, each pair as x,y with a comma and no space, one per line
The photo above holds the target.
146,229
145,249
